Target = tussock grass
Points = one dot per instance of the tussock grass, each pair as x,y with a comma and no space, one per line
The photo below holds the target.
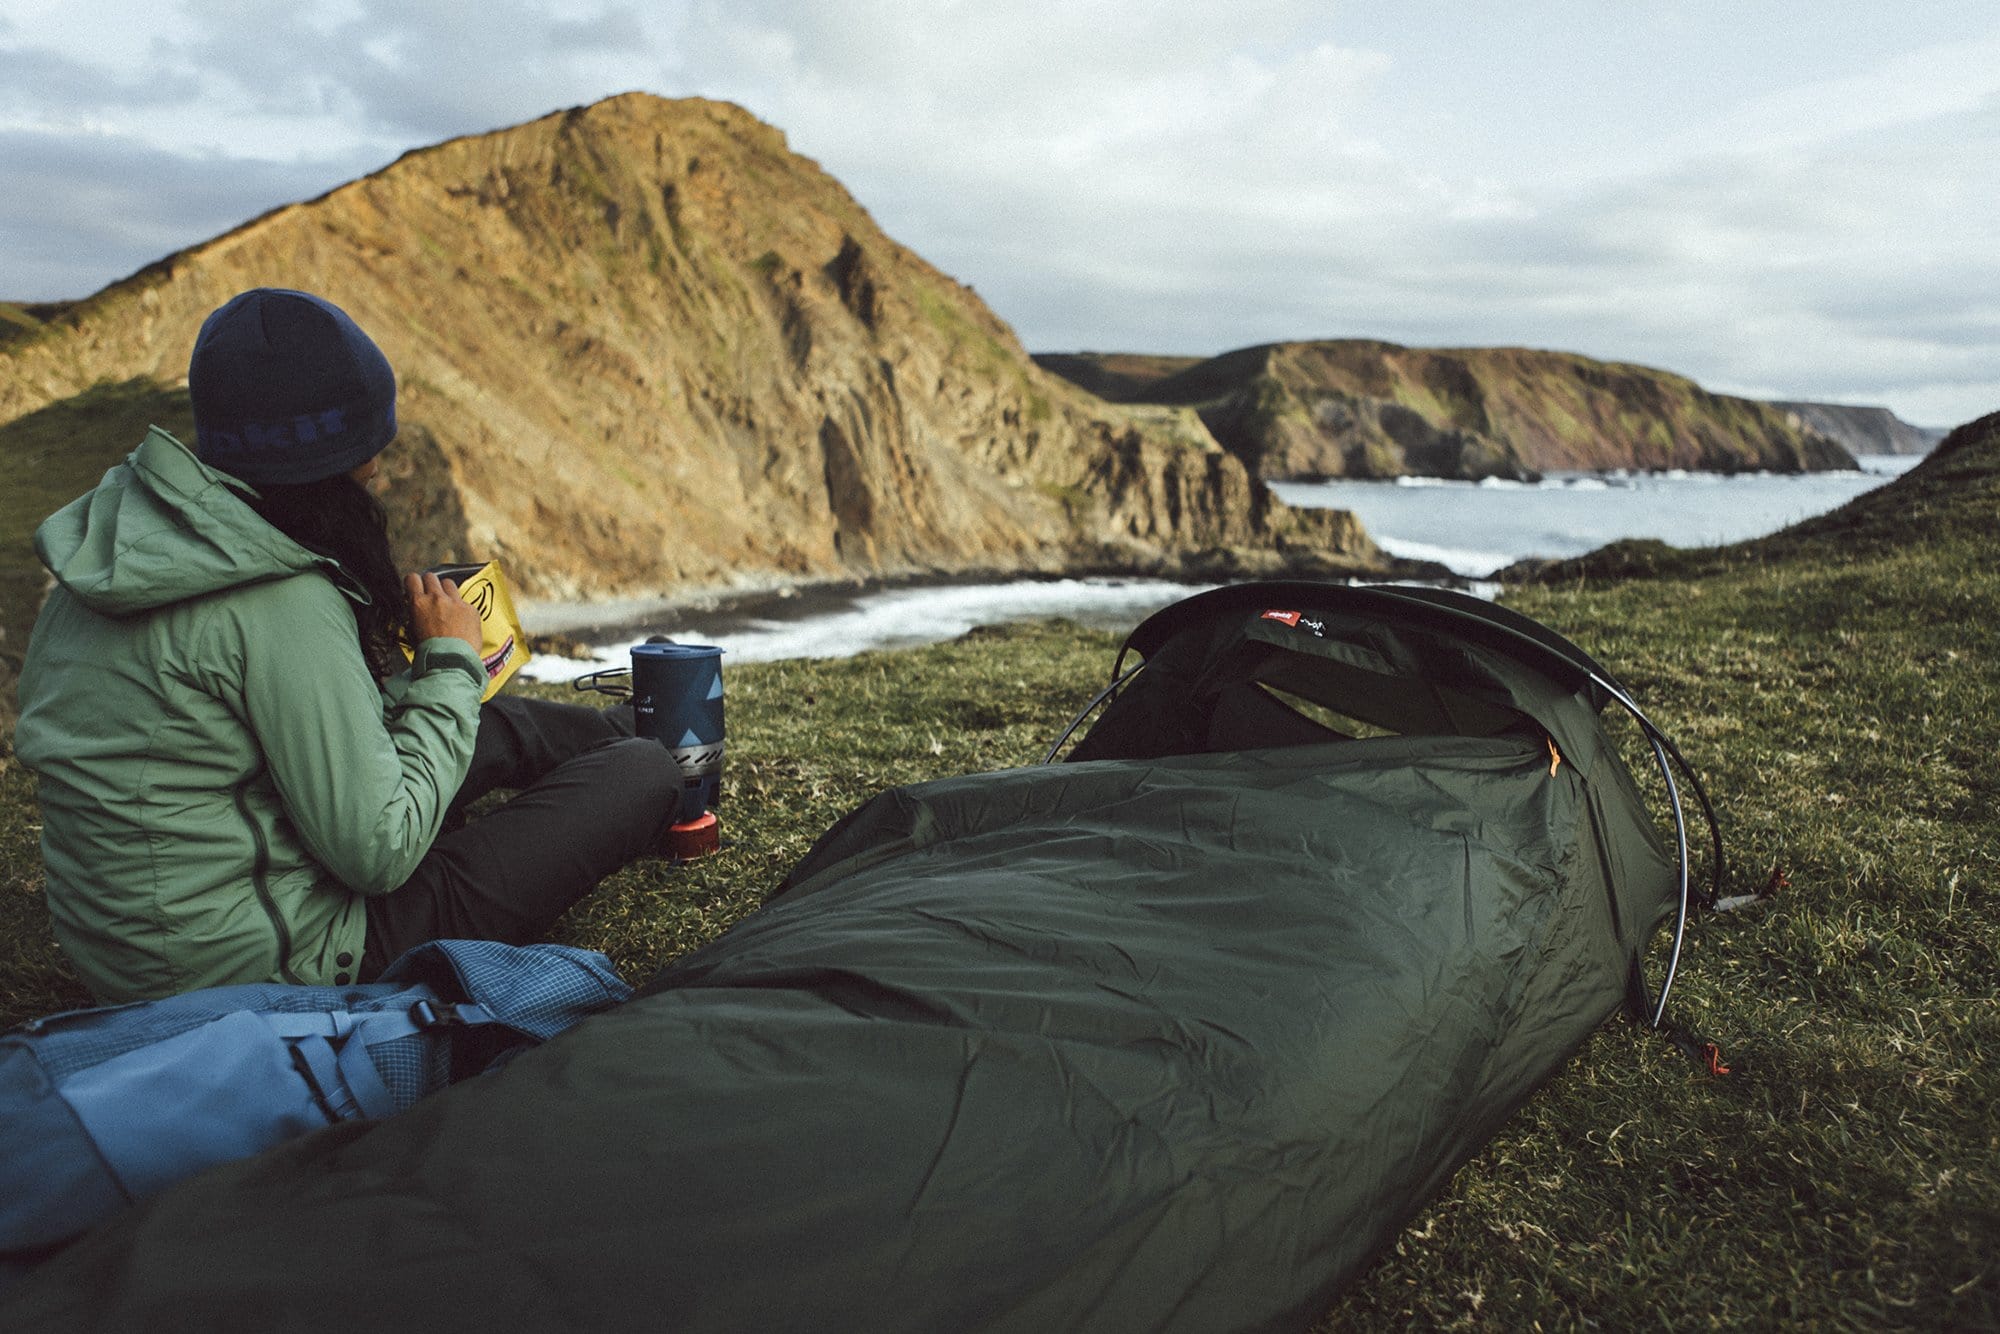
1841,699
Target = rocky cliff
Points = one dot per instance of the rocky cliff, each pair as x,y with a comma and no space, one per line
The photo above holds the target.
645,348
1361,408
1864,430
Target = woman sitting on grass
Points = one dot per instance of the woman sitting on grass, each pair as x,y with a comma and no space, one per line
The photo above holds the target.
237,783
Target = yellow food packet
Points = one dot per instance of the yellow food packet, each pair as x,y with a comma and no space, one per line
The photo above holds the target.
503,648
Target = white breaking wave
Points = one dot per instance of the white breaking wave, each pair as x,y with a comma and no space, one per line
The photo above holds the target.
892,618
1460,561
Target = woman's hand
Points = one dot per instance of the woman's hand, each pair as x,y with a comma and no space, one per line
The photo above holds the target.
438,612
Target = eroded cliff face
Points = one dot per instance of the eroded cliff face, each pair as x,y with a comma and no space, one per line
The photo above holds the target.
643,347
1360,408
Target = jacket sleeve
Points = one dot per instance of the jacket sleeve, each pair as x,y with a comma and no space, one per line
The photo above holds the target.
365,788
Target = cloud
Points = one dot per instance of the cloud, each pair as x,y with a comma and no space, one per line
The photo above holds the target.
83,210
1863,260
1144,148
242,105
38,80
422,72
1110,102
1137,178
1168,175
1935,82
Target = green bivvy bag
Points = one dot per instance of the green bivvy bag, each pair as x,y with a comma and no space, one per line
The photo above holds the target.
1172,1035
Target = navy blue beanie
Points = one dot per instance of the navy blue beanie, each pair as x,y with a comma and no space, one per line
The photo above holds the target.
287,388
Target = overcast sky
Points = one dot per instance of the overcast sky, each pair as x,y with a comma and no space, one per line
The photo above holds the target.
1794,198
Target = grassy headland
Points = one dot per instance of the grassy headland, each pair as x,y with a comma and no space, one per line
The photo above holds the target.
1838,688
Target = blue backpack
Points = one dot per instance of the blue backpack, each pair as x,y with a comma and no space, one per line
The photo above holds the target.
104,1107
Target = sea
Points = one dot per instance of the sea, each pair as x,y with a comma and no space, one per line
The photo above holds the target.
1476,528
1472,528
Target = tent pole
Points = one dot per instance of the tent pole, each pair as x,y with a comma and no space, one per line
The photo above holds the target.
1100,697
1658,741
1681,842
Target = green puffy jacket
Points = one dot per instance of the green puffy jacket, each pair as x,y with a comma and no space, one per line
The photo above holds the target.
221,778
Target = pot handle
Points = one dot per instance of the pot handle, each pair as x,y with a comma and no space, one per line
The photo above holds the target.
597,681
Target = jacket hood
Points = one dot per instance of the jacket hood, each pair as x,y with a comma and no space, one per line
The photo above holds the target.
162,527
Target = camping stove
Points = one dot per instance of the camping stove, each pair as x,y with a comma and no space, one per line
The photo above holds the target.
676,694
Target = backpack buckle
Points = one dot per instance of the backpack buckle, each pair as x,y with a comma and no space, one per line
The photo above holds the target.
428,1014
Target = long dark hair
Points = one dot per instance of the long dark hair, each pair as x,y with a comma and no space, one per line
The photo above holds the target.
339,517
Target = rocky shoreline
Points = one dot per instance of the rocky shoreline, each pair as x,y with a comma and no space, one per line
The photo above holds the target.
562,626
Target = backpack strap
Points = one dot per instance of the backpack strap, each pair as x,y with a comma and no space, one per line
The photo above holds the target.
422,1015
345,1087
330,1049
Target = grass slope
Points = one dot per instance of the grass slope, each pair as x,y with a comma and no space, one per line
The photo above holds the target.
50,457
1837,689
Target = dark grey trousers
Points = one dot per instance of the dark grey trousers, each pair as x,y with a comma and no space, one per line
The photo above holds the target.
592,797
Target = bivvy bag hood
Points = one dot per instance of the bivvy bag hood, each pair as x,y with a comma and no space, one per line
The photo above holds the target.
1174,1035
1285,664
